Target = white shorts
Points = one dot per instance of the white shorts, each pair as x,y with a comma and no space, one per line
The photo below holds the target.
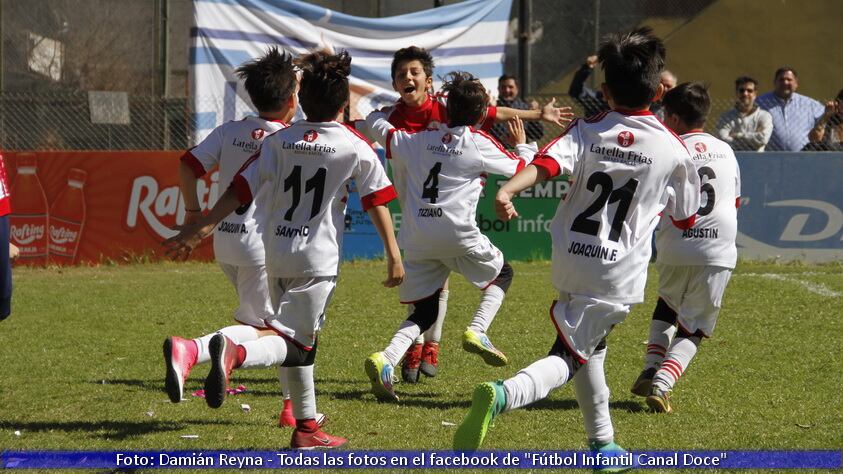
424,276
252,291
582,321
300,307
695,292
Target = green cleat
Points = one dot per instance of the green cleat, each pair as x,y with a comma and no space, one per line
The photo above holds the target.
616,457
487,402
381,373
659,400
479,343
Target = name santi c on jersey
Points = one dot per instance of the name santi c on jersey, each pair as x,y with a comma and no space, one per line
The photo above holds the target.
613,153
284,231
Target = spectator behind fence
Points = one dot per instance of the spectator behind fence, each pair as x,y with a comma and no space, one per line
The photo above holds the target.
827,134
747,127
668,80
508,97
794,115
591,101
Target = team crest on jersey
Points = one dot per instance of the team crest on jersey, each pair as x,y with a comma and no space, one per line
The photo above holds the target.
257,133
700,147
446,139
626,138
310,135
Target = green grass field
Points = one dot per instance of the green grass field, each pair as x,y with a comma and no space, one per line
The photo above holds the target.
82,365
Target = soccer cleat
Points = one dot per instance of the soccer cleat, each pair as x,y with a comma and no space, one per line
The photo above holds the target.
479,343
487,402
179,357
380,373
315,440
223,358
658,400
286,418
642,384
430,359
410,366
610,451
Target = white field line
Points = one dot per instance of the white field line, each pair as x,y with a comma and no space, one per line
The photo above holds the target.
817,288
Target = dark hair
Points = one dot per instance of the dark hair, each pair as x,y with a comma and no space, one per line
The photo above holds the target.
467,98
745,80
783,70
690,102
413,53
839,96
632,63
270,80
507,77
324,84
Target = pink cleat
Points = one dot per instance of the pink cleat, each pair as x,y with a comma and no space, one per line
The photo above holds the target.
223,360
179,357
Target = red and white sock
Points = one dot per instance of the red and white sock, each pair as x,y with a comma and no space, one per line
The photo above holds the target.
679,355
661,335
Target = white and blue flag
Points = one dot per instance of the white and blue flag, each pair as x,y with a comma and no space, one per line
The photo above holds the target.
468,36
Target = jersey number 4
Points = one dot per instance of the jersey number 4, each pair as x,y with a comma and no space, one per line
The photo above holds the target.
608,194
316,183
430,188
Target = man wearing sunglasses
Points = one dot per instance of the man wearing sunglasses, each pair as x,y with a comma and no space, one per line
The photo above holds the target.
747,127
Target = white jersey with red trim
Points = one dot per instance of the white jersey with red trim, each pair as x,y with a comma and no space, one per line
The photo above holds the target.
711,241
626,169
307,168
237,239
440,175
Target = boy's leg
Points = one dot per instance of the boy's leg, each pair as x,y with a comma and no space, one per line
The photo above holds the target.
672,284
681,351
593,397
430,351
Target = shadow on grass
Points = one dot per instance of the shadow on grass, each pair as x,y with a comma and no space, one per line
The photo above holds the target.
157,385
571,404
112,430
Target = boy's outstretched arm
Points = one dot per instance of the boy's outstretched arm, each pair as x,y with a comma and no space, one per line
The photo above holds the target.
187,183
383,223
522,180
190,235
549,113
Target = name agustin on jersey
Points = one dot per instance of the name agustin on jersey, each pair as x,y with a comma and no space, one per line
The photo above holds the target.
704,233
613,153
232,228
246,145
289,232
593,251
443,150
308,148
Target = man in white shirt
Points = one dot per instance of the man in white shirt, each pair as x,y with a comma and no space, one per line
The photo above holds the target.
694,264
747,127
627,168
439,175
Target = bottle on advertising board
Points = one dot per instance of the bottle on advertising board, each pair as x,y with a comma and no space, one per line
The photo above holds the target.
28,221
67,219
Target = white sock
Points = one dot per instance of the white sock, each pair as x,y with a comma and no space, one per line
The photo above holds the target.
434,334
535,382
264,352
490,303
284,381
239,333
401,341
593,398
302,391
681,351
661,334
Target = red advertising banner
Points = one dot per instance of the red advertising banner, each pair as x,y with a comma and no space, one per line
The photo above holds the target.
88,207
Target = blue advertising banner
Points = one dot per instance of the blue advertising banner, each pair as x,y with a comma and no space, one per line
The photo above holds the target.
791,209
418,459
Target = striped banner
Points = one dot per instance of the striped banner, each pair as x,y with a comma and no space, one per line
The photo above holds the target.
468,36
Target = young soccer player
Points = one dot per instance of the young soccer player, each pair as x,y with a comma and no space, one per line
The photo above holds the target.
306,167
271,83
440,175
694,264
417,109
627,168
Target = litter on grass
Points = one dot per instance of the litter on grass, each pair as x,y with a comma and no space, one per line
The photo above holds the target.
230,391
